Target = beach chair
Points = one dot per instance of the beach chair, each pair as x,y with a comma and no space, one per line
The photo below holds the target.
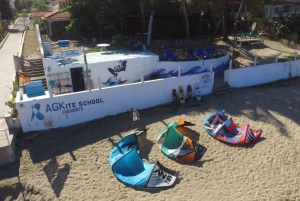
252,34
210,52
190,53
181,54
170,55
199,52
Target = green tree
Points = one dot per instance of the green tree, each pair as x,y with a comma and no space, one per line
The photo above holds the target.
186,19
89,16
5,10
40,5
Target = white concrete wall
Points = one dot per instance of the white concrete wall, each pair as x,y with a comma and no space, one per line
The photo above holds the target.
38,34
43,112
255,75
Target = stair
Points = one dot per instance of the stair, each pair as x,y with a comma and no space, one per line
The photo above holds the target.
38,73
223,88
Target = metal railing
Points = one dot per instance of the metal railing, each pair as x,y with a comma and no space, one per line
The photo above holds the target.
6,137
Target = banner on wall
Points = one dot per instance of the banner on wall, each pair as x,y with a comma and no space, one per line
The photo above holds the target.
205,80
23,64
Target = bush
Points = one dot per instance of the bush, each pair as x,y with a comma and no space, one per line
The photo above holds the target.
39,22
117,41
11,104
2,36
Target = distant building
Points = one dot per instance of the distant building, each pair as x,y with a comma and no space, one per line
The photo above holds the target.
54,22
275,8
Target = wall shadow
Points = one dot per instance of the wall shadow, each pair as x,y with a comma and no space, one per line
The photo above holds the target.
56,176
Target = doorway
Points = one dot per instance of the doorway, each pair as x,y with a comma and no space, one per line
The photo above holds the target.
77,79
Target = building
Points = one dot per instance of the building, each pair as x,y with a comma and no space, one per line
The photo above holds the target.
281,7
55,22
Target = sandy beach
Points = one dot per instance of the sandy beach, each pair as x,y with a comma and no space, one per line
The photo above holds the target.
72,163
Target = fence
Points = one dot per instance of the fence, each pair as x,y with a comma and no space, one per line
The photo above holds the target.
3,26
262,74
6,137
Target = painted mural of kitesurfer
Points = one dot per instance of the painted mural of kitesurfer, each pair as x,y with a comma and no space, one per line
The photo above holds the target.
118,68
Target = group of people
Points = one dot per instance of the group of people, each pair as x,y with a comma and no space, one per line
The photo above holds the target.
134,44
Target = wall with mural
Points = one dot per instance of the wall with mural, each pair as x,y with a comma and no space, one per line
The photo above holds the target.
45,112
166,69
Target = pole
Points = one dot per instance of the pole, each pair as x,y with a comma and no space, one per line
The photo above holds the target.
86,72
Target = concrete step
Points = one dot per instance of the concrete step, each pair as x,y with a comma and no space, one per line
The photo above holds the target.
223,88
38,73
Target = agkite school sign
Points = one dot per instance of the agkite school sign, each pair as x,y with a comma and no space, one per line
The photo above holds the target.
58,112
64,108
71,107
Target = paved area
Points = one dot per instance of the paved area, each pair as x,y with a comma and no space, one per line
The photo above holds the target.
7,72
23,22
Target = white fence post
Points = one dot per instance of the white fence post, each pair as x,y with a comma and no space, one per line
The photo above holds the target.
50,91
142,76
295,56
99,83
179,71
255,59
276,59
230,64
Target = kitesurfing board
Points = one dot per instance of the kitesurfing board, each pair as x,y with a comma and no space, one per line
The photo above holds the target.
181,94
175,97
197,90
190,93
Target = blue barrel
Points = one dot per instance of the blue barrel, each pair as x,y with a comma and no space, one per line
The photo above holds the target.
63,43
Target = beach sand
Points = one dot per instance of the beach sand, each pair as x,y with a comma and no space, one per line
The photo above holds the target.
72,163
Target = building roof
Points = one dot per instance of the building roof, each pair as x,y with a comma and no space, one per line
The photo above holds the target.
55,14
59,15
39,13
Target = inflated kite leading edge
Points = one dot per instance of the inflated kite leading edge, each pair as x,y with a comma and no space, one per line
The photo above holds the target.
225,130
178,147
130,169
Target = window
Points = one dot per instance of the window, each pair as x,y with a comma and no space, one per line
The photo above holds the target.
277,10
266,10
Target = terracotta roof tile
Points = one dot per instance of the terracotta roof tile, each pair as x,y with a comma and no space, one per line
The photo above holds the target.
39,13
64,15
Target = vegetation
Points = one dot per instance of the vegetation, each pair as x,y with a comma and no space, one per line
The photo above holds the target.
173,18
40,22
11,104
117,41
40,5
2,36
288,58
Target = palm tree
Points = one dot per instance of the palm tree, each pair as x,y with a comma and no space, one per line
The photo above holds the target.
142,5
187,25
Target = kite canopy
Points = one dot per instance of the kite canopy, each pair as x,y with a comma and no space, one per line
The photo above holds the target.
178,147
130,169
225,130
